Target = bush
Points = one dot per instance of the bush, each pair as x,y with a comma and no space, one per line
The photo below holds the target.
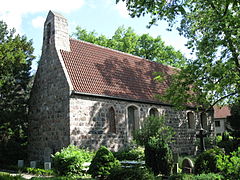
38,171
159,157
70,161
102,163
210,176
136,154
131,174
206,162
155,136
230,164
7,176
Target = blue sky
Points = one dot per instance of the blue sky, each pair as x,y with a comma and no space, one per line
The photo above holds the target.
103,16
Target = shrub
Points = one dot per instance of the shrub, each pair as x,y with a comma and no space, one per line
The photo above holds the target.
210,176
230,164
229,145
131,174
159,157
7,176
155,136
70,161
135,154
38,171
102,163
206,162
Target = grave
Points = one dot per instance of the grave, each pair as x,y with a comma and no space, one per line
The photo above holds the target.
187,166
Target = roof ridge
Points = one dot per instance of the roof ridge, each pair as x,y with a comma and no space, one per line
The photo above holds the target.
114,50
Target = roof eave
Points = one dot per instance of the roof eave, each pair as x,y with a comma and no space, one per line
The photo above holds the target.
73,92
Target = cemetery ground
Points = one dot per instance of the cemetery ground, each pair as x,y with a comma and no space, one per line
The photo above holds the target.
205,165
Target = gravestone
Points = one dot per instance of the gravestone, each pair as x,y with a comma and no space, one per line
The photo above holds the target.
47,165
175,159
20,163
187,166
33,164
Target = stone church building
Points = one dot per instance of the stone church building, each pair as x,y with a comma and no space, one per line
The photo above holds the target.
88,95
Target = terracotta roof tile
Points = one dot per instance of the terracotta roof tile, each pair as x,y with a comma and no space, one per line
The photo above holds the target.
221,112
98,70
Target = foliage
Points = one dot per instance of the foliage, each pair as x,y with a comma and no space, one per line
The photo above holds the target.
212,30
230,164
229,146
7,176
69,161
15,63
53,178
155,136
102,163
145,46
206,162
233,123
135,154
38,171
131,174
209,176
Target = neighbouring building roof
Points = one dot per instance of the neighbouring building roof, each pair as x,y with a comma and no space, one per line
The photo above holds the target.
102,71
221,112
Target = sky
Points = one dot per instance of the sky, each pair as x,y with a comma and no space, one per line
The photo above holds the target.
103,16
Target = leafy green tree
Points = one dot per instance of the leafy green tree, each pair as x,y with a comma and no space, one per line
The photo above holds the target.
145,46
155,136
212,29
15,63
234,120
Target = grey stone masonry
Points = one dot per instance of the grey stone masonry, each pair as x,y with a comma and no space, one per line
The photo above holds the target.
59,116
49,128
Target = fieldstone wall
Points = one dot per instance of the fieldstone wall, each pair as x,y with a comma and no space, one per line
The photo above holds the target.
89,127
49,127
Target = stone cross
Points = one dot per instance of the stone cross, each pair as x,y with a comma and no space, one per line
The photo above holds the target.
201,136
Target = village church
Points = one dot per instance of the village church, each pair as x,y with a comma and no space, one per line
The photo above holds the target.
88,95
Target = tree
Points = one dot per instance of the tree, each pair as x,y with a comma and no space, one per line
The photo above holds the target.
15,63
155,136
212,29
145,46
233,121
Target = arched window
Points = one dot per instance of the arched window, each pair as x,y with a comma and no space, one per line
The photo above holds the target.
203,118
191,120
132,119
153,112
111,120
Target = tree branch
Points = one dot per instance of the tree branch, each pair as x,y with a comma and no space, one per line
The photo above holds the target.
231,94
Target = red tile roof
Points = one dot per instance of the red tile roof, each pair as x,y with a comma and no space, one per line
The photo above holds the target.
221,112
102,71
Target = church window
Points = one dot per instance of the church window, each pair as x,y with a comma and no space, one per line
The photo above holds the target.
111,120
217,123
203,118
132,119
191,120
153,112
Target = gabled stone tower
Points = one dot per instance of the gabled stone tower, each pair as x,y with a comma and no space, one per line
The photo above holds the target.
49,102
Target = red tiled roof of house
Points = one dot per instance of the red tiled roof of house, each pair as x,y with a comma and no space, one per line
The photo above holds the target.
221,112
102,71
